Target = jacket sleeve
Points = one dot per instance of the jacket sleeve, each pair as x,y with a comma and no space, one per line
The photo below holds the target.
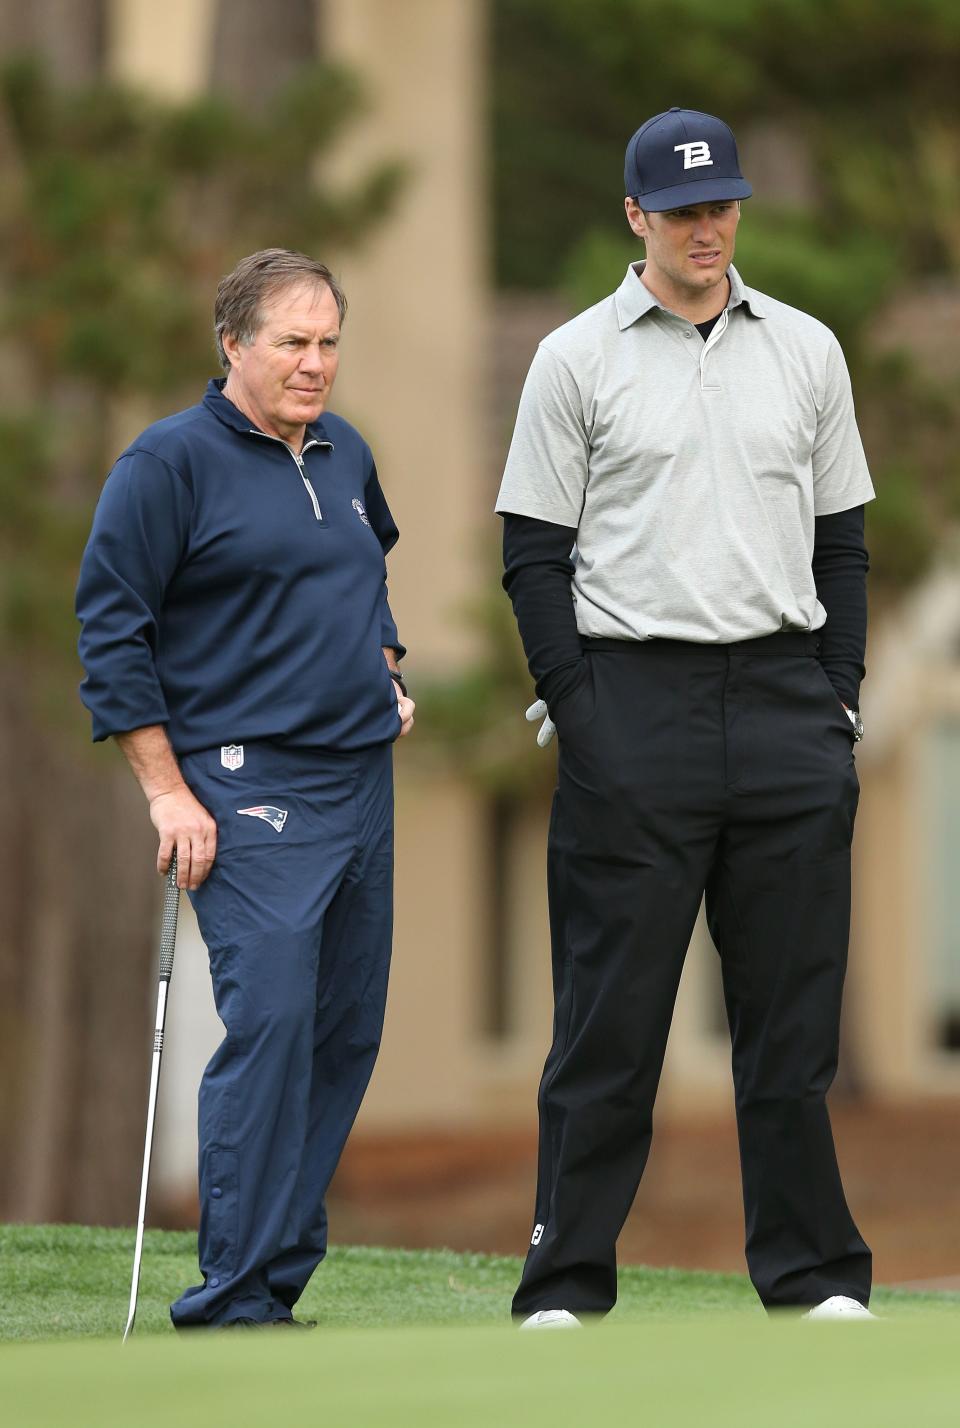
385,529
140,533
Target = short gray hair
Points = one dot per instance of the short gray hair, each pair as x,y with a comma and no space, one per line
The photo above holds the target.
238,310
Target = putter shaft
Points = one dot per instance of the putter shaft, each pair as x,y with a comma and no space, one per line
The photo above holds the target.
168,937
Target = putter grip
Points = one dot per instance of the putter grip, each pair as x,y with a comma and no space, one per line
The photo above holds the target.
168,927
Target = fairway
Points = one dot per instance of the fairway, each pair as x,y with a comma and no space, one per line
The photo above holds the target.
422,1339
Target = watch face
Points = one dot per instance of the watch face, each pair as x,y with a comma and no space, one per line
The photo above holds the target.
856,722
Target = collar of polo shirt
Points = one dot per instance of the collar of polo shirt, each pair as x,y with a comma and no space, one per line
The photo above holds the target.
634,299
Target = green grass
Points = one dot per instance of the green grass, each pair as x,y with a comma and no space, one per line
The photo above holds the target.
422,1340
66,1281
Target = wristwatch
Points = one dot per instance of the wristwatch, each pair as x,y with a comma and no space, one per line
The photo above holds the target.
854,717
397,678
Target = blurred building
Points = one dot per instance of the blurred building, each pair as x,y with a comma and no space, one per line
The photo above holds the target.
430,347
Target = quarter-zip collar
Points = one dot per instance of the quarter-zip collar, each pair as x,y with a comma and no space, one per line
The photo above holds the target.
224,409
314,434
633,299
298,458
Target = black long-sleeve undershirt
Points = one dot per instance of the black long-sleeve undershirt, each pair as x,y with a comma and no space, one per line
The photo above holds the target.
538,565
538,569
840,564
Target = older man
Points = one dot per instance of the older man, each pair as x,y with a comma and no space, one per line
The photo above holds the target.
696,440
239,645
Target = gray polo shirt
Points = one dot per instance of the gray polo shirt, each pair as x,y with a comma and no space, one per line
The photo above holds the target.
692,471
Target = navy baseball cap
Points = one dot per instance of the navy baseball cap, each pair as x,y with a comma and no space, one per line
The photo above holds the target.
683,157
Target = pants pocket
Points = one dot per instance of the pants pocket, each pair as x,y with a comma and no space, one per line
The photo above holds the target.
837,706
578,705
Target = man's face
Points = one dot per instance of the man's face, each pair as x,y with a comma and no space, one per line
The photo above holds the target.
283,378
691,248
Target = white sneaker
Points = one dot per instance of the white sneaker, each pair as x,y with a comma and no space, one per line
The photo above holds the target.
840,1307
552,1319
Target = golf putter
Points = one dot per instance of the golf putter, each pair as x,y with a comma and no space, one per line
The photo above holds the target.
168,937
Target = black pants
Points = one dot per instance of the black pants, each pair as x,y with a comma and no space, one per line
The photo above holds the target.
686,769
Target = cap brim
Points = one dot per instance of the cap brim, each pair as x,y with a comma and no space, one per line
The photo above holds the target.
681,195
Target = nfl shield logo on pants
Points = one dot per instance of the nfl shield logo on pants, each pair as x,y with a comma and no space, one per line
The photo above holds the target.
231,756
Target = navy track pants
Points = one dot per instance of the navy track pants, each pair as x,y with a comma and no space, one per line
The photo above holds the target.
297,918
686,769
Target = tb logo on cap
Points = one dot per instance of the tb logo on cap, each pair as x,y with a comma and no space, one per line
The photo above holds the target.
694,155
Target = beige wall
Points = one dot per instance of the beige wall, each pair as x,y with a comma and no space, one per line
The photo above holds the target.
415,337
897,860
161,47
412,381
883,988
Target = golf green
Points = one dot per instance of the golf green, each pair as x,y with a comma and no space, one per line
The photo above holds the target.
724,1373
421,1339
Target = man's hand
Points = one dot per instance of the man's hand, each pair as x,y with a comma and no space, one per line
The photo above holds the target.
548,728
405,707
183,823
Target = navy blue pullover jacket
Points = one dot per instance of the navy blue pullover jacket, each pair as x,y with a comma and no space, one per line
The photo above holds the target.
234,592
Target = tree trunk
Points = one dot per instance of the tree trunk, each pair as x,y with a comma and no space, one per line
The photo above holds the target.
68,34
77,952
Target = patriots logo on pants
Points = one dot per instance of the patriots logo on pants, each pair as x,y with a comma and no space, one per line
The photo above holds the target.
276,817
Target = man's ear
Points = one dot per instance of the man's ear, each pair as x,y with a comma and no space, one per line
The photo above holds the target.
635,217
231,346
